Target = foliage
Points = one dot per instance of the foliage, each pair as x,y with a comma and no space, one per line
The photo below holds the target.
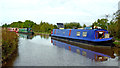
117,43
114,26
117,39
26,24
8,45
5,25
42,27
101,23
84,25
72,25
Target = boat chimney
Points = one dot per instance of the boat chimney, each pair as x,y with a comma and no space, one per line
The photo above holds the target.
60,25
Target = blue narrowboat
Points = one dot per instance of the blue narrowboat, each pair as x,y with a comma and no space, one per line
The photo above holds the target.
92,35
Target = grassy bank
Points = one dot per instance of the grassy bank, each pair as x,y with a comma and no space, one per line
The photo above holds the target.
42,33
9,44
117,42
117,39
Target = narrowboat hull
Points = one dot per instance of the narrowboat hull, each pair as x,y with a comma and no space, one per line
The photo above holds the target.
103,43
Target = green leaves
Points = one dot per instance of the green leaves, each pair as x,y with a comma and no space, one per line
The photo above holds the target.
84,26
101,23
5,25
114,25
43,27
20,24
72,25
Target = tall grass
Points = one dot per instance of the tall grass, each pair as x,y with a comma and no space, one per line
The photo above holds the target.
9,43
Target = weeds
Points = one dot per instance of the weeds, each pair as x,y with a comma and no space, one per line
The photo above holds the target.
9,43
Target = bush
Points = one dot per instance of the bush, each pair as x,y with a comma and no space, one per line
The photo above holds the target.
9,43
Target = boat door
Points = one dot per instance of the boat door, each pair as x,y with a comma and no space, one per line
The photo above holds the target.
99,34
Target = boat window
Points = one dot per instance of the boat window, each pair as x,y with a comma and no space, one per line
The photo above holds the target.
78,33
107,35
84,34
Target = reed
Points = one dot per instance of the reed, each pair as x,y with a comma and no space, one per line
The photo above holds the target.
9,43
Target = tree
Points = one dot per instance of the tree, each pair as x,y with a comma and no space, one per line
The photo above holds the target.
28,24
55,26
72,25
114,26
84,26
36,28
5,25
101,23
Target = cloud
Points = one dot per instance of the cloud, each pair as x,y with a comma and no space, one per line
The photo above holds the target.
53,11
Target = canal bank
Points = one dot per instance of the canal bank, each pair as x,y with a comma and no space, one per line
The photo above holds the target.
39,51
117,43
39,33
9,45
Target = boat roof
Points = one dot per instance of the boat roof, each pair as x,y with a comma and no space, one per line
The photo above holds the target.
86,29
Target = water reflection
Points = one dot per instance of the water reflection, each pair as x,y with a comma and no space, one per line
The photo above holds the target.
97,53
39,51
27,36
44,36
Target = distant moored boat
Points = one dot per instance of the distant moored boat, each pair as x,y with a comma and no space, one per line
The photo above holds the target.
22,30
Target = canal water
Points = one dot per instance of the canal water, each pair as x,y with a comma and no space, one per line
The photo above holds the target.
43,50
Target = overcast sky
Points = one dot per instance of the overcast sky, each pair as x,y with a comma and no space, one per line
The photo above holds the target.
54,11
